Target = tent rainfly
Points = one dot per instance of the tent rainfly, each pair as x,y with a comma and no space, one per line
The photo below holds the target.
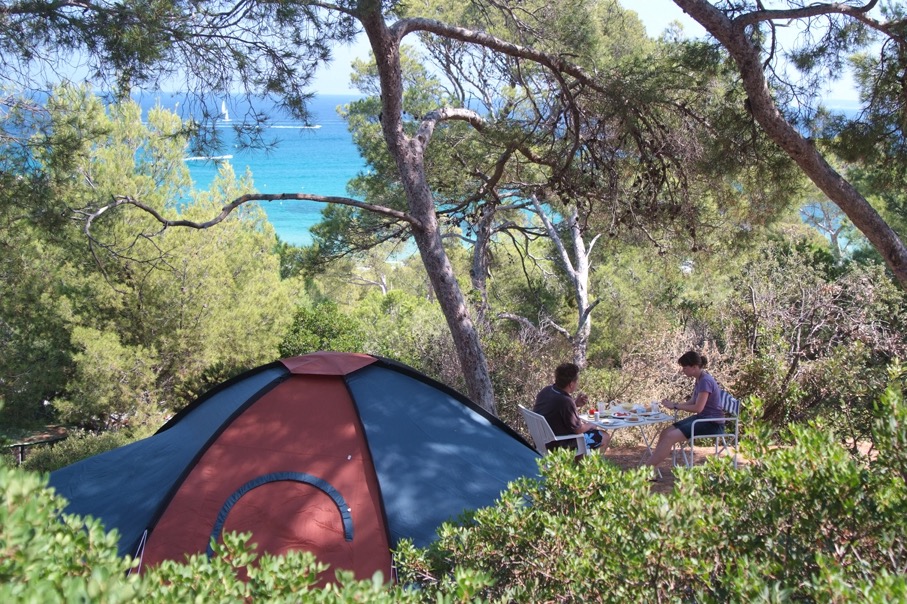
343,455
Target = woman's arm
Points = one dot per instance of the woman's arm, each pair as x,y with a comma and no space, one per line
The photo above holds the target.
694,406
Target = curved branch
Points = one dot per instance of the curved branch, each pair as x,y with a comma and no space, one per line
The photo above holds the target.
813,10
592,243
733,37
430,121
540,330
584,316
228,209
334,7
555,239
554,63
858,13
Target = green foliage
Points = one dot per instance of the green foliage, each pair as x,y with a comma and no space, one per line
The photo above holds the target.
321,326
78,445
881,185
890,424
814,338
521,364
874,139
136,316
48,558
268,578
107,379
403,326
805,522
808,521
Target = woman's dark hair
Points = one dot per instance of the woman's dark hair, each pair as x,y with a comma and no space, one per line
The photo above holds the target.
564,374
692,359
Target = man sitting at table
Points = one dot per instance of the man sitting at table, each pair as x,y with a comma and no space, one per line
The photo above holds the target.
556,404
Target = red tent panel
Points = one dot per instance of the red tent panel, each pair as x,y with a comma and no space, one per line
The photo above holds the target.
283,515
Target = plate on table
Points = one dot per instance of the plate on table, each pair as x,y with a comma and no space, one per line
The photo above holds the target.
620,414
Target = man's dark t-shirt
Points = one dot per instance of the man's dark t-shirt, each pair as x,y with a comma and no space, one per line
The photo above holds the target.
559,409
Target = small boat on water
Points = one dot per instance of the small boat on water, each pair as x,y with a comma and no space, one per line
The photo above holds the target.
215,158
223,110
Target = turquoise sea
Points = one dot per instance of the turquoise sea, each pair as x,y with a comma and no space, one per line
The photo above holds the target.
318,158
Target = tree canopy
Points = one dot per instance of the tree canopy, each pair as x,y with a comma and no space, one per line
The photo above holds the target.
830,34
88,322
667,136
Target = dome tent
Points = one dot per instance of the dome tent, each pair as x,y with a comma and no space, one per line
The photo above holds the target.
340,454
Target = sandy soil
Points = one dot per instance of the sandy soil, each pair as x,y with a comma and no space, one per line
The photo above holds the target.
628,455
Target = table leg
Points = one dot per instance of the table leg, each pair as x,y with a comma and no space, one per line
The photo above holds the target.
648,452
648,442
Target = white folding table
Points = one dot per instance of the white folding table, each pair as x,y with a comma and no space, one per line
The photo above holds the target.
612,423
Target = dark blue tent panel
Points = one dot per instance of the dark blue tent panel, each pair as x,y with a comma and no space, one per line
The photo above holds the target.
434,456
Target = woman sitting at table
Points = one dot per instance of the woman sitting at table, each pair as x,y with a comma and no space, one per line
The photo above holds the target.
703,402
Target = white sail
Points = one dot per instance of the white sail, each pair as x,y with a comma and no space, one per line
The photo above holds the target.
223,109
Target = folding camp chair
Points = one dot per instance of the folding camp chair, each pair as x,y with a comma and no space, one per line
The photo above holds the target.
542,433
723,442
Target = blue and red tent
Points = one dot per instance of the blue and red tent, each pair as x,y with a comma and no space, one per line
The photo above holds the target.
340,454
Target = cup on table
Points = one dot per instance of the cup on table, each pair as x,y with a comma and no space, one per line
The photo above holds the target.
602,407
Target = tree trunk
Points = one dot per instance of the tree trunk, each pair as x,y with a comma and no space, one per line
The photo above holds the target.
578,272
450,297
478,273
409,155
733,37
581,291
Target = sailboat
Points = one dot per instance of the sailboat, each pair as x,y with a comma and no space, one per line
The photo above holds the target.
223,110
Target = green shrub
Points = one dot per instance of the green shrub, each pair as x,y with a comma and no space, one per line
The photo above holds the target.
290,578
46,557
813,342
77,446
321,327
805,522
809,521
49,558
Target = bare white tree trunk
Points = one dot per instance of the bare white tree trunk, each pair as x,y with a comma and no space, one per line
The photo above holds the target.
578,272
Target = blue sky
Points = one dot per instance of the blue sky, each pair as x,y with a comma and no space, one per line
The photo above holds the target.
655,14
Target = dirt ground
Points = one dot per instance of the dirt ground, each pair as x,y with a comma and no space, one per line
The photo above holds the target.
628,455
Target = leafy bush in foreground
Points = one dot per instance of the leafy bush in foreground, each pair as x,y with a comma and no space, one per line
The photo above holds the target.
808,522
47,558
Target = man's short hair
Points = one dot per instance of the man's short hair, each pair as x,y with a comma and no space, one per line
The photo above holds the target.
564,374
